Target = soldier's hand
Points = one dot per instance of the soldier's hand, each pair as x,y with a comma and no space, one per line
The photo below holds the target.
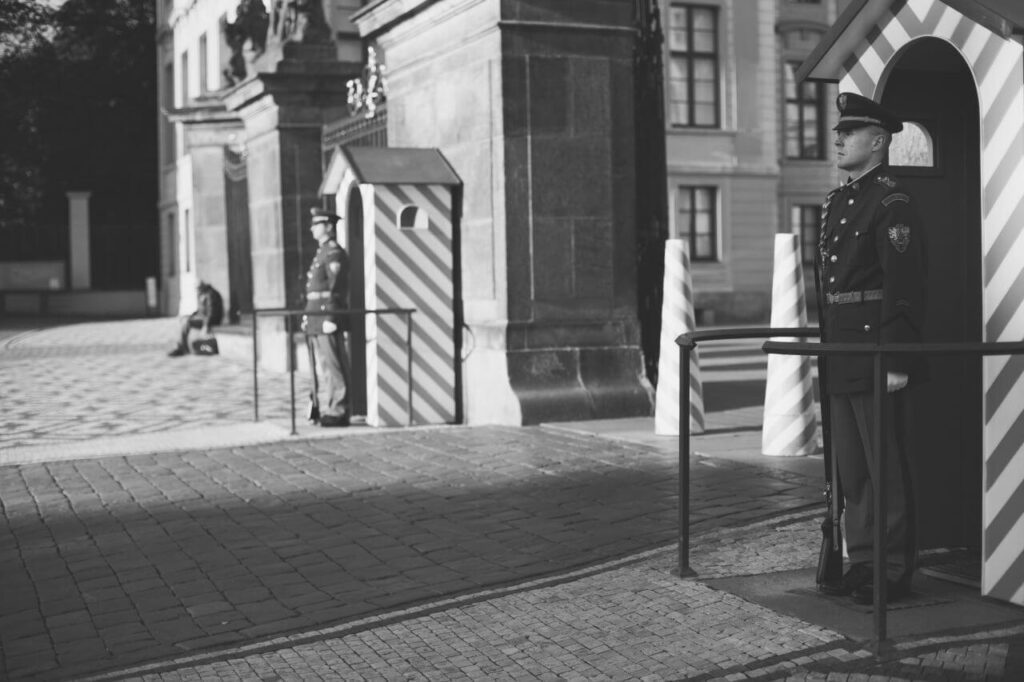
894,381
330,327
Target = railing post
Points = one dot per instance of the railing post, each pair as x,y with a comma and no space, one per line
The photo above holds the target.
408,360
255,372
291,366
684,460
880,491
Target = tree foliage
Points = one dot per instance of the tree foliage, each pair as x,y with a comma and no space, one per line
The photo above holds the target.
77,109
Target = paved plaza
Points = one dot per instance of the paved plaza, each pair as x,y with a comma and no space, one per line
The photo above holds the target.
152,530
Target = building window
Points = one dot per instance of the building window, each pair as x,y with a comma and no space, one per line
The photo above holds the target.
187,230
698,221
204,66
912,146
183,78
805,121
693,66
805,220
167,103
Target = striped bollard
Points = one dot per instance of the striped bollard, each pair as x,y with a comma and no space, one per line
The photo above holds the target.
676,318
790,427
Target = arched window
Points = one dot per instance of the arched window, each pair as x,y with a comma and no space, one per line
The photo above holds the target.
412,218
913,146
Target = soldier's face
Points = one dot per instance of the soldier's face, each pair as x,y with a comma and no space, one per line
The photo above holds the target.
855,149
319,231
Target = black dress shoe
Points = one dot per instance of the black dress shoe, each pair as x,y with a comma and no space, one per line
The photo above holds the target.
177,352
895,590
333,420
856,576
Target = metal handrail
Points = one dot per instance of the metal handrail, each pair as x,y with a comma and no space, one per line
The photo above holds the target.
289,314
688,342
878,353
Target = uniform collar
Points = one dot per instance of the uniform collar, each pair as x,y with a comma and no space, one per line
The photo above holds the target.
854,184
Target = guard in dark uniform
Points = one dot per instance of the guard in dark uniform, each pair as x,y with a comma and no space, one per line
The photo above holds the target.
871,282
327,290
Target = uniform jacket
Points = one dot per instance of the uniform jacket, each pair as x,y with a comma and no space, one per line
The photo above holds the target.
871,240
327,286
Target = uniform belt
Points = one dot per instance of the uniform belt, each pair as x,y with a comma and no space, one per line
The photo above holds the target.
854,297
320,295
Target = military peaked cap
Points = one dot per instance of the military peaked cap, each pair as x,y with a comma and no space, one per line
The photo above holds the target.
318,215
856,111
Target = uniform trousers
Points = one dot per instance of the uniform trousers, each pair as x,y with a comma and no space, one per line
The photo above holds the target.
852,416
332,359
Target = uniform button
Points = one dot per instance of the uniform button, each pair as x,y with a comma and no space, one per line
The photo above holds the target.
867,327
843,221
836,238
849,201
857,233
834,258
831,280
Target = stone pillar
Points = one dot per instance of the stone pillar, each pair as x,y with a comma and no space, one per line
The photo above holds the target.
205,136
532,104
283,114
78,234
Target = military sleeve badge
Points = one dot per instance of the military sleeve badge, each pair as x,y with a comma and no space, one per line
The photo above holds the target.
899,237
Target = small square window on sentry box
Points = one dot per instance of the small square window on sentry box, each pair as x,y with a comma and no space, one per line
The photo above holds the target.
412,218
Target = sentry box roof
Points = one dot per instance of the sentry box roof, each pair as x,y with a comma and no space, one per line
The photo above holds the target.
838,46
388,166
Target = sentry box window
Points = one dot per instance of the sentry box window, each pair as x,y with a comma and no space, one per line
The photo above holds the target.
412,218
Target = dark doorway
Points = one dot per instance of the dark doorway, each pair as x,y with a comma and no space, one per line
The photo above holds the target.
236,199
933,88
356,300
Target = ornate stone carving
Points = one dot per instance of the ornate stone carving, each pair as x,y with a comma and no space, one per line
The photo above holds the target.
251,23
300,21
368,92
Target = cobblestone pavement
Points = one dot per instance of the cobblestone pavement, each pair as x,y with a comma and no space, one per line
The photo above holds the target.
421,554
89,380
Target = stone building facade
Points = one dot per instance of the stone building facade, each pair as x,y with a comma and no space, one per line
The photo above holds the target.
532,104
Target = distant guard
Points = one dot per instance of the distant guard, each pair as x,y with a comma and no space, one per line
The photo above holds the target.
327,291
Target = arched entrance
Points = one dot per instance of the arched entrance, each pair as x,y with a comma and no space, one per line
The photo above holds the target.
931,86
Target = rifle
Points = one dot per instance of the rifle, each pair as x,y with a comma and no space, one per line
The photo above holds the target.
313,410
830,556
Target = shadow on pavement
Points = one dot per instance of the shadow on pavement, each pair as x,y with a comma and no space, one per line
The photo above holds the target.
117,561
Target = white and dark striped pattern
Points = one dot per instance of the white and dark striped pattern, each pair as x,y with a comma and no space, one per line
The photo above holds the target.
998,67
790,427
412,269
676,318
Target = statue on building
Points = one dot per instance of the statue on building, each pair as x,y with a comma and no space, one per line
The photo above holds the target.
250,25
367,93
300,21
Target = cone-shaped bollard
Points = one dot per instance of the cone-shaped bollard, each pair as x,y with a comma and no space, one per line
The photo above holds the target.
676,318
789,422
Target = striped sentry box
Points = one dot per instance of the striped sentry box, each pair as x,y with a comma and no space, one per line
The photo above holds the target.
790,427
676,318
998,67
411,268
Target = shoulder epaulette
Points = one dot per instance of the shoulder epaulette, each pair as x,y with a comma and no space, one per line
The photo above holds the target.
897,196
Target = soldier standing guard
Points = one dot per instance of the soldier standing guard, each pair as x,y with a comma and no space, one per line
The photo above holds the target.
871,286
327,290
